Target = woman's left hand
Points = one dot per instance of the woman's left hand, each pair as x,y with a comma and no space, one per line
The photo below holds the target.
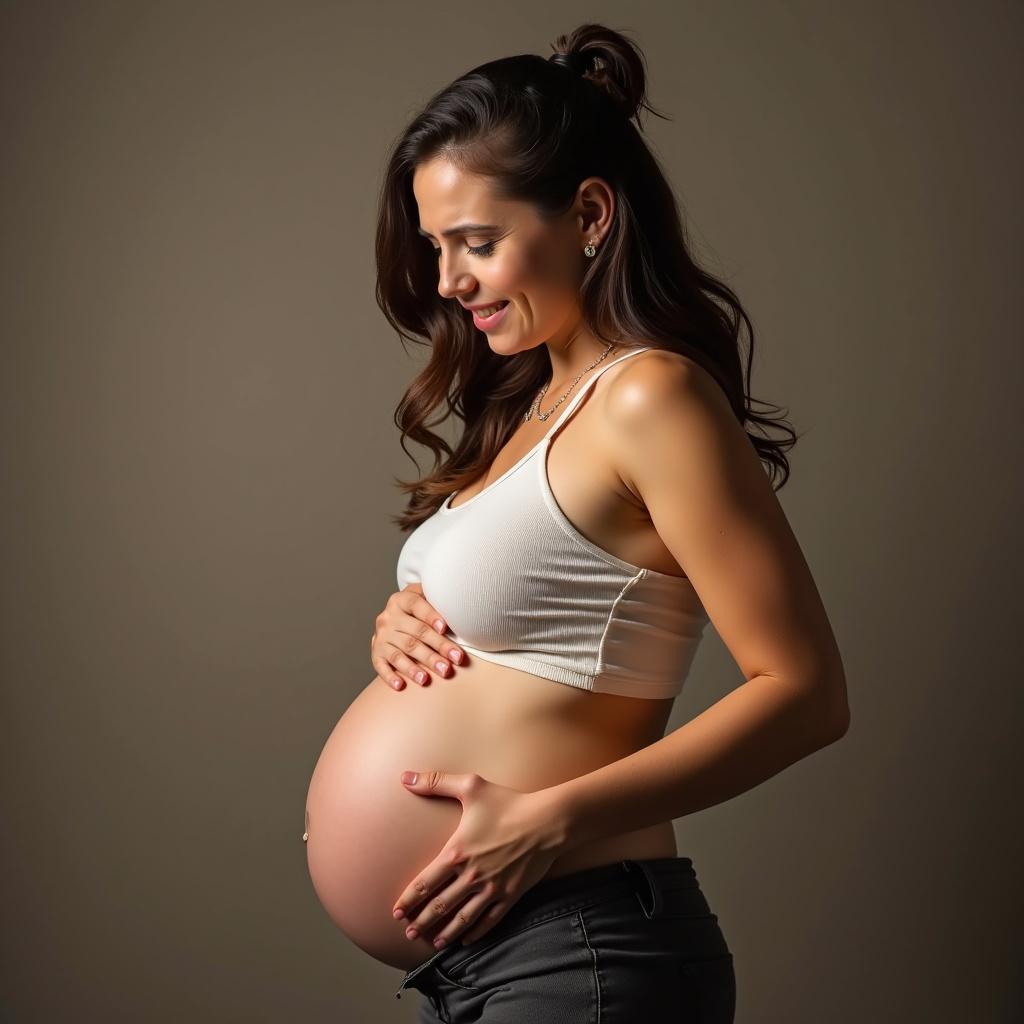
504,845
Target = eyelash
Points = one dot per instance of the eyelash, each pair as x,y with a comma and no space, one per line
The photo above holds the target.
476,250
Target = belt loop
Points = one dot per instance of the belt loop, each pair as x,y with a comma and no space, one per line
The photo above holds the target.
653,888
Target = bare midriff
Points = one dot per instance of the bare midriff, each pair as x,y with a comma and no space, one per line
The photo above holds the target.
368,835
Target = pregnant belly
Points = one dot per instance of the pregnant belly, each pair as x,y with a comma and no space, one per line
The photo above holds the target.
368,835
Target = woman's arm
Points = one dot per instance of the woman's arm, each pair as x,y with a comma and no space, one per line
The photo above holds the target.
680,449
748,736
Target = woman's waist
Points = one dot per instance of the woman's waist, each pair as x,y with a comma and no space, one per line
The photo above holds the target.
494,695
652,842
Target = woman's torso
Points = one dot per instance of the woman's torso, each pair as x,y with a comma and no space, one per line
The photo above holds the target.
368,835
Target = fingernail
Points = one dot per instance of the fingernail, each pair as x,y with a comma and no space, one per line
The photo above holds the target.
456,656
411,933
439,625
439,943
421,677
397,913
441,666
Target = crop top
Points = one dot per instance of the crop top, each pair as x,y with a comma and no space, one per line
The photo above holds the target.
520,586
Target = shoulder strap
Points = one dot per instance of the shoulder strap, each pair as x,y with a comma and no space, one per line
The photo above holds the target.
587,384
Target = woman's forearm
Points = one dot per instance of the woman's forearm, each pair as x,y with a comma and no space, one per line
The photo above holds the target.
751,734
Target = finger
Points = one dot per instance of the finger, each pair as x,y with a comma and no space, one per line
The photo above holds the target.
424,612
386,668
391,669
417,605
402,663
421,642
464,918
388,674
411,602
406,666
485,922
408,635
432,638
385,672
448,899
421,888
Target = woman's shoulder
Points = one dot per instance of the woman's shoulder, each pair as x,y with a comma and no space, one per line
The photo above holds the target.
657,380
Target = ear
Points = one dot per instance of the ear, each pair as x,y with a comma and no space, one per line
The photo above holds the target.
594,209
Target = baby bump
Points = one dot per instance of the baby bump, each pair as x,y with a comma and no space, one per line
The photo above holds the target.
367,834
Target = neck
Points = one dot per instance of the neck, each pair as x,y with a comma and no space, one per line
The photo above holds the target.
568,362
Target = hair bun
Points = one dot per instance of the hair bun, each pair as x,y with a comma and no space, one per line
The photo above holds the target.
572,60
611,61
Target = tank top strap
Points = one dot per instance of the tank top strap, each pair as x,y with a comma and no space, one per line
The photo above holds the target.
578,397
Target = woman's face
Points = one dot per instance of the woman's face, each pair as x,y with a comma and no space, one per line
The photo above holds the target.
511,255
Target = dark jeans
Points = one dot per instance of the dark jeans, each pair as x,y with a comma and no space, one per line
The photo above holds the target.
624,942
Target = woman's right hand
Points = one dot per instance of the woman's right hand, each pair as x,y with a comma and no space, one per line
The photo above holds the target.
409,642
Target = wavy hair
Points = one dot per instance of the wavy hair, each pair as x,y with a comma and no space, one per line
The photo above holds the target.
535,127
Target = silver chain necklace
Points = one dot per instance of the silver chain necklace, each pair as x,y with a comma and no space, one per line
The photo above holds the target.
535,404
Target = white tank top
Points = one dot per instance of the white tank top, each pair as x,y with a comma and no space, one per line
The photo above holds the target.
520,586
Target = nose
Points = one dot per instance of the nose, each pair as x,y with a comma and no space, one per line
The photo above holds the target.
451,280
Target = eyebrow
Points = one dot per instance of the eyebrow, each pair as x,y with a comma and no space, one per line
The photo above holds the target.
462,229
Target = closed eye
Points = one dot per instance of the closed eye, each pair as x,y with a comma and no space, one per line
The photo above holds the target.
475,250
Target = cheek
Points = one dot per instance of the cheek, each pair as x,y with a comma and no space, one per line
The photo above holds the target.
541,278
506,277
548,260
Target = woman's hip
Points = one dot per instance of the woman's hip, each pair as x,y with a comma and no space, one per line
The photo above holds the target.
633,940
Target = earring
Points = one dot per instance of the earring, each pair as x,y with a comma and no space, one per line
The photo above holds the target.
589,247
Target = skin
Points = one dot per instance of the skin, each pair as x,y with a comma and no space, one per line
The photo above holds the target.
655,469
536,264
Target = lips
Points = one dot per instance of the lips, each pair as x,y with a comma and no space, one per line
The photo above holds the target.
486,323
488,308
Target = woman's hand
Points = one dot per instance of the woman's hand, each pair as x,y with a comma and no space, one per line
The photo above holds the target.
504,845
408,639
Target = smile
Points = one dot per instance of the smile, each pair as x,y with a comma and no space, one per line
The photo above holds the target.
486,323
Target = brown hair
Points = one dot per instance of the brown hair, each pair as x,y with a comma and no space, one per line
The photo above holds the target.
536,128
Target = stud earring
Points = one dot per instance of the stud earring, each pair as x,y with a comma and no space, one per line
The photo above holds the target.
589,247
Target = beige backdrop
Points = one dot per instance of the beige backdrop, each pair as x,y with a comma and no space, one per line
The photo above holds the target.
198,449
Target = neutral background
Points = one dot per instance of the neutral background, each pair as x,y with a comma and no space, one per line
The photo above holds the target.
198,453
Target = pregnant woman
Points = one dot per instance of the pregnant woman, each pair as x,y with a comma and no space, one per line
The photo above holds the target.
493,812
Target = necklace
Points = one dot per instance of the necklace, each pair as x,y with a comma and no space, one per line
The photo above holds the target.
535,404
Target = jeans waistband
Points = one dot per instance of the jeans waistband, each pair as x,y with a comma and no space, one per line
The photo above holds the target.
552,897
